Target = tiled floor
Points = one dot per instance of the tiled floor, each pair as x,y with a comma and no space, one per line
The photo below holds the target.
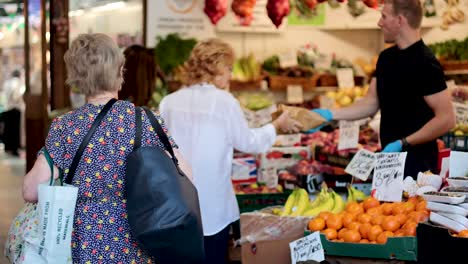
12,171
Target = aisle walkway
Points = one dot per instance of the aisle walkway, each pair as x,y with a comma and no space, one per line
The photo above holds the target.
12,170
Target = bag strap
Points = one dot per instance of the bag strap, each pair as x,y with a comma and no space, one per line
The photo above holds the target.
138,127
51,164
87,138
161,135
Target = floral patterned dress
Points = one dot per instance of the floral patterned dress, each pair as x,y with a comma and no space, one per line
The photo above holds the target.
101,231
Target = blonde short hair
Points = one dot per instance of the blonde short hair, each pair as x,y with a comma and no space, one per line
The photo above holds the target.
94,64
207,60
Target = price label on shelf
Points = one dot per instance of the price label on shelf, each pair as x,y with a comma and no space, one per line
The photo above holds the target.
295,94
349,135
387,183
345,78
288,59
362,164
307,248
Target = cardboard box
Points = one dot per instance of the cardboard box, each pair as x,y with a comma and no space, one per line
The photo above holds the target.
436,245
400,248
269,237
283,157
244,170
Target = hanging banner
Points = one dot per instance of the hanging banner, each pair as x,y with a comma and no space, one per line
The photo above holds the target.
185,17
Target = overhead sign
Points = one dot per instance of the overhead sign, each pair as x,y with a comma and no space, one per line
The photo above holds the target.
185,17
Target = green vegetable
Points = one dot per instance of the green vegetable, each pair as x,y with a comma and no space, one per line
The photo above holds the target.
451,49
173,51
272,65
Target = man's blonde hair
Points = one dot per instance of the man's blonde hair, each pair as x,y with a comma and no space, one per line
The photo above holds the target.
411,9
94,64
208,60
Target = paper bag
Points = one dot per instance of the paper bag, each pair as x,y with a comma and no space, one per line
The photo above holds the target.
307,118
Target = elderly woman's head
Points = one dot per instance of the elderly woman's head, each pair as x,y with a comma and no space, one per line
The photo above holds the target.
94,64
211,62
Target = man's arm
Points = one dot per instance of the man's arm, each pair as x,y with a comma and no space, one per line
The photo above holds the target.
365,107
441,123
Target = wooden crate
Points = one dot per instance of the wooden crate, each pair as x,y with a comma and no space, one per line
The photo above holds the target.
278,83
235,85
454,65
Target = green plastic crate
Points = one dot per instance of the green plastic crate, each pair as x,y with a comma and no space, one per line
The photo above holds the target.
253,202
399,248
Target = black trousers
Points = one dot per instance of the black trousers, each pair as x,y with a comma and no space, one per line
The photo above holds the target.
216,247
11,129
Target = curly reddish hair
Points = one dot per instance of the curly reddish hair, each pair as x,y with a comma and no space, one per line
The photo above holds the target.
207,60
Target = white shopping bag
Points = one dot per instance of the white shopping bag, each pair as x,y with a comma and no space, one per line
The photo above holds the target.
51,244
41,233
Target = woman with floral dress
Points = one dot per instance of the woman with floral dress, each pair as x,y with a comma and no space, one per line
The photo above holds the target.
101,231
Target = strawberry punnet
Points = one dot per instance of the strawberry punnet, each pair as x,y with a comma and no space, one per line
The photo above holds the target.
215,9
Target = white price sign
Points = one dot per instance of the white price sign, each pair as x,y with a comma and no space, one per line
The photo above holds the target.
461,113
362,164
387,184
288,59
349,135
307,248
345,78
295,94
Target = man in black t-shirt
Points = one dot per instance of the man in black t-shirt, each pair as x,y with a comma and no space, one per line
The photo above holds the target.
409,89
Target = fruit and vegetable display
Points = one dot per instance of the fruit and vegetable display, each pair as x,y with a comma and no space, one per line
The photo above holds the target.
246,69
215,9
453,14
256,188
451,49
172,51
255,101
299,204
243,10
328,142
347,96
371,221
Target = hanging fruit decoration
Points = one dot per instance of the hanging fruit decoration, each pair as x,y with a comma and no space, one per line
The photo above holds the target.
215,9
452,15
371,3
277,10
243,10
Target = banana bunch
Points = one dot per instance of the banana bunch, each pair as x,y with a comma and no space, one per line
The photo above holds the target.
325,202
297,203
452,15
246,69
355,195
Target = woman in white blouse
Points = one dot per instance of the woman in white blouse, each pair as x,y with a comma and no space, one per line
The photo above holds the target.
207,123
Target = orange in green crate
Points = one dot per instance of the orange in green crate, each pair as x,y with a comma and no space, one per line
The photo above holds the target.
400,248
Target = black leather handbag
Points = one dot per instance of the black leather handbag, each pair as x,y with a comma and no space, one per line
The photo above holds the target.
162,203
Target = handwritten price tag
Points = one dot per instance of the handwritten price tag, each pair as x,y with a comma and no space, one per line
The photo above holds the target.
387,184
307,248
362,164
349,135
